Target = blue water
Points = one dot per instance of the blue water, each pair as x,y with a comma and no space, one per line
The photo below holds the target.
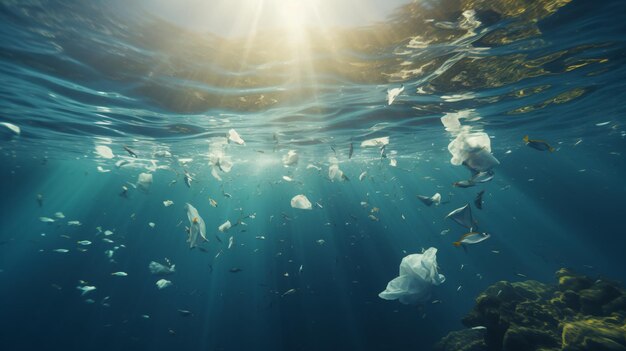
76,75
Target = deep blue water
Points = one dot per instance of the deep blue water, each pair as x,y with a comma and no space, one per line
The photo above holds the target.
77,75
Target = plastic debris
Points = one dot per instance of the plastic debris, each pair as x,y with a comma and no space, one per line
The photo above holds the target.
102,170
144,180
428,201
224,227
392,94
234,137
301,202
362,176
197,228
168,203
418,275
376,142
463,216
309,166
291,158
12,128
163,283
104,151
157,268
151,224
287,179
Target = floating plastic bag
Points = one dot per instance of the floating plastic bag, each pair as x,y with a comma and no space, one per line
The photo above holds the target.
418,274
144,181
301,202
197,228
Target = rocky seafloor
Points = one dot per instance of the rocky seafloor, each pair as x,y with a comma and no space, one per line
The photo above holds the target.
579,313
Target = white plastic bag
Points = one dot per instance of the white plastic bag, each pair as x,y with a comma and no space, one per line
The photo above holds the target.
418,274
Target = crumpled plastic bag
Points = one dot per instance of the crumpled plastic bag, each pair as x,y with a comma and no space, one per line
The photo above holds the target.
418,274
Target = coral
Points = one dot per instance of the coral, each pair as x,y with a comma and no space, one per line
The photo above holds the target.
578,314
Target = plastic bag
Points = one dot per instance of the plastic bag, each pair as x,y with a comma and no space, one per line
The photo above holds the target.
418,274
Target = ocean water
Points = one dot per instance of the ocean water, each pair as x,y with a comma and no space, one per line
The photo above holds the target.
82,79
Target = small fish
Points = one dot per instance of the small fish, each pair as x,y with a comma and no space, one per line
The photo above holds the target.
130,152
218,239
300,269
120,274
188,179
478,201
168,203
333,148
321,242
479,327
74,223
85,289
212,202
231,241
538,144
124,192
362,176
464,184
40,200
235,270
373,218
185,313
471,238
260,237
350,151
84,242
59,215
226,194
288,292
46,219
483,177
61,250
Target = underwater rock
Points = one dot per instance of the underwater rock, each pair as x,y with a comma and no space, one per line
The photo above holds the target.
463,340
577,314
